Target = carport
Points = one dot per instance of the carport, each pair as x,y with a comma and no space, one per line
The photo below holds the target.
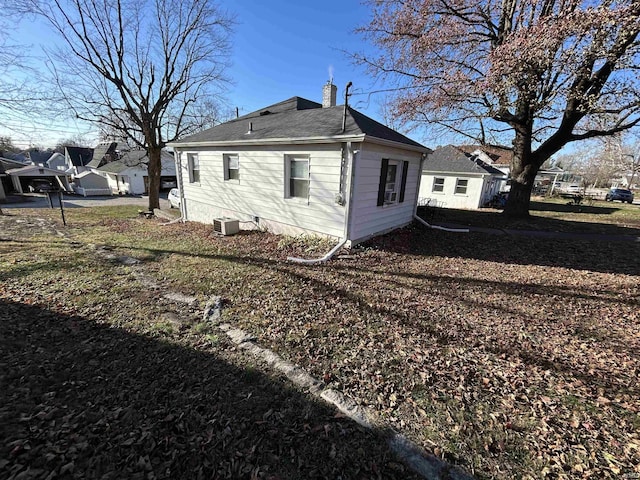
23,177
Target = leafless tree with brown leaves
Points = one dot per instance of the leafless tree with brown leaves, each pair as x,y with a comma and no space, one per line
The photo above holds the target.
139,67
542,73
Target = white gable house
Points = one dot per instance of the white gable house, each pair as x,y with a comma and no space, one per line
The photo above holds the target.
454,178
301,167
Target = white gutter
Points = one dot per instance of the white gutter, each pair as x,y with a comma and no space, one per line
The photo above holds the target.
438,227
302,140
326,258
177,155
269,141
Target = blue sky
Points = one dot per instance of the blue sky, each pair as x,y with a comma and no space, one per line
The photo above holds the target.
286,48
280,49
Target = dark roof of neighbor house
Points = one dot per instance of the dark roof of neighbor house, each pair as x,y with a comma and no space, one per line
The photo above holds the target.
132,158
298,118
455,160
103,153
80,156
498,154
39,157
8,164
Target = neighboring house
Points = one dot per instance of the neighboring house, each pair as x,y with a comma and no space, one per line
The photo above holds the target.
301,167
91,183
77,158
39,157
454,178
57,161
23,177
129,174
103,153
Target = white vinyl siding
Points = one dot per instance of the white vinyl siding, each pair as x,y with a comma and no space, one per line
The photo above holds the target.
477,190
260,193
367,218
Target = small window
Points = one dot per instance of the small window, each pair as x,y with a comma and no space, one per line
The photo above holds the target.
461,186
193,164
438,185
231,167
393,181
297,172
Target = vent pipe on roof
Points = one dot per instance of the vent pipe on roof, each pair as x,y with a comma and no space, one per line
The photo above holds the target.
250,127
346,100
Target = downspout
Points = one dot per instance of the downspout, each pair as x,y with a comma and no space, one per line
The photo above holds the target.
183,207
347,217
422,221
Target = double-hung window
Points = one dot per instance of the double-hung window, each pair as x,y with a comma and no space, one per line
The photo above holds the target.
193,164
393,180
297,176
461,186
231,167
438,185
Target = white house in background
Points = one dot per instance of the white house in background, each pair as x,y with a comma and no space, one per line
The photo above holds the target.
91,183
129,175
301,167
454,178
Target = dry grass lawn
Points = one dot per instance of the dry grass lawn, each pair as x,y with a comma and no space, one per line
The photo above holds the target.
509,357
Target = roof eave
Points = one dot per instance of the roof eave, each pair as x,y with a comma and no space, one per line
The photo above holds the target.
392,143
269,141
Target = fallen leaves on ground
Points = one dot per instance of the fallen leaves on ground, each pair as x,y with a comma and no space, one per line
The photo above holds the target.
511,357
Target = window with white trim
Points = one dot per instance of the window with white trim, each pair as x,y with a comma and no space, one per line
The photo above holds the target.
297,176
438,185
461,186
231,167
193,164
393,181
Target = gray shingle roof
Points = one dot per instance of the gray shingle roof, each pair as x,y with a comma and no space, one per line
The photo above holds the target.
454,160
132,158
100,152
297,118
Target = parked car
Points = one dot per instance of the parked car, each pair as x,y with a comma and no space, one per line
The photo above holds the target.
174,198
620,194
573,189
39,185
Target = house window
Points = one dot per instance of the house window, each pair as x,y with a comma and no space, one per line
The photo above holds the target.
297,173
393,181
438,184
193,164
231,167
461,186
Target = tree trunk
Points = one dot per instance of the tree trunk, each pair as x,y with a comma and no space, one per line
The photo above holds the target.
524,169
154,169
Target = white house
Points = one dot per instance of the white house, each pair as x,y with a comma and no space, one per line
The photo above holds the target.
129,174
454,178
91,183
301,167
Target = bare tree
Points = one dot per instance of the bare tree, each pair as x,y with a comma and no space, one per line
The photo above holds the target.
541,73
139,67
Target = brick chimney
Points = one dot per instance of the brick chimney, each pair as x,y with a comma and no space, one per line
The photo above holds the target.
329,92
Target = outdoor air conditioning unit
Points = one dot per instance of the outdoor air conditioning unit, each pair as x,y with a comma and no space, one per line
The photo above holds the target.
226,226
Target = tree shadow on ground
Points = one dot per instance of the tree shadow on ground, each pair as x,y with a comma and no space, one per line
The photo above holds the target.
87,400
584,216
589,255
